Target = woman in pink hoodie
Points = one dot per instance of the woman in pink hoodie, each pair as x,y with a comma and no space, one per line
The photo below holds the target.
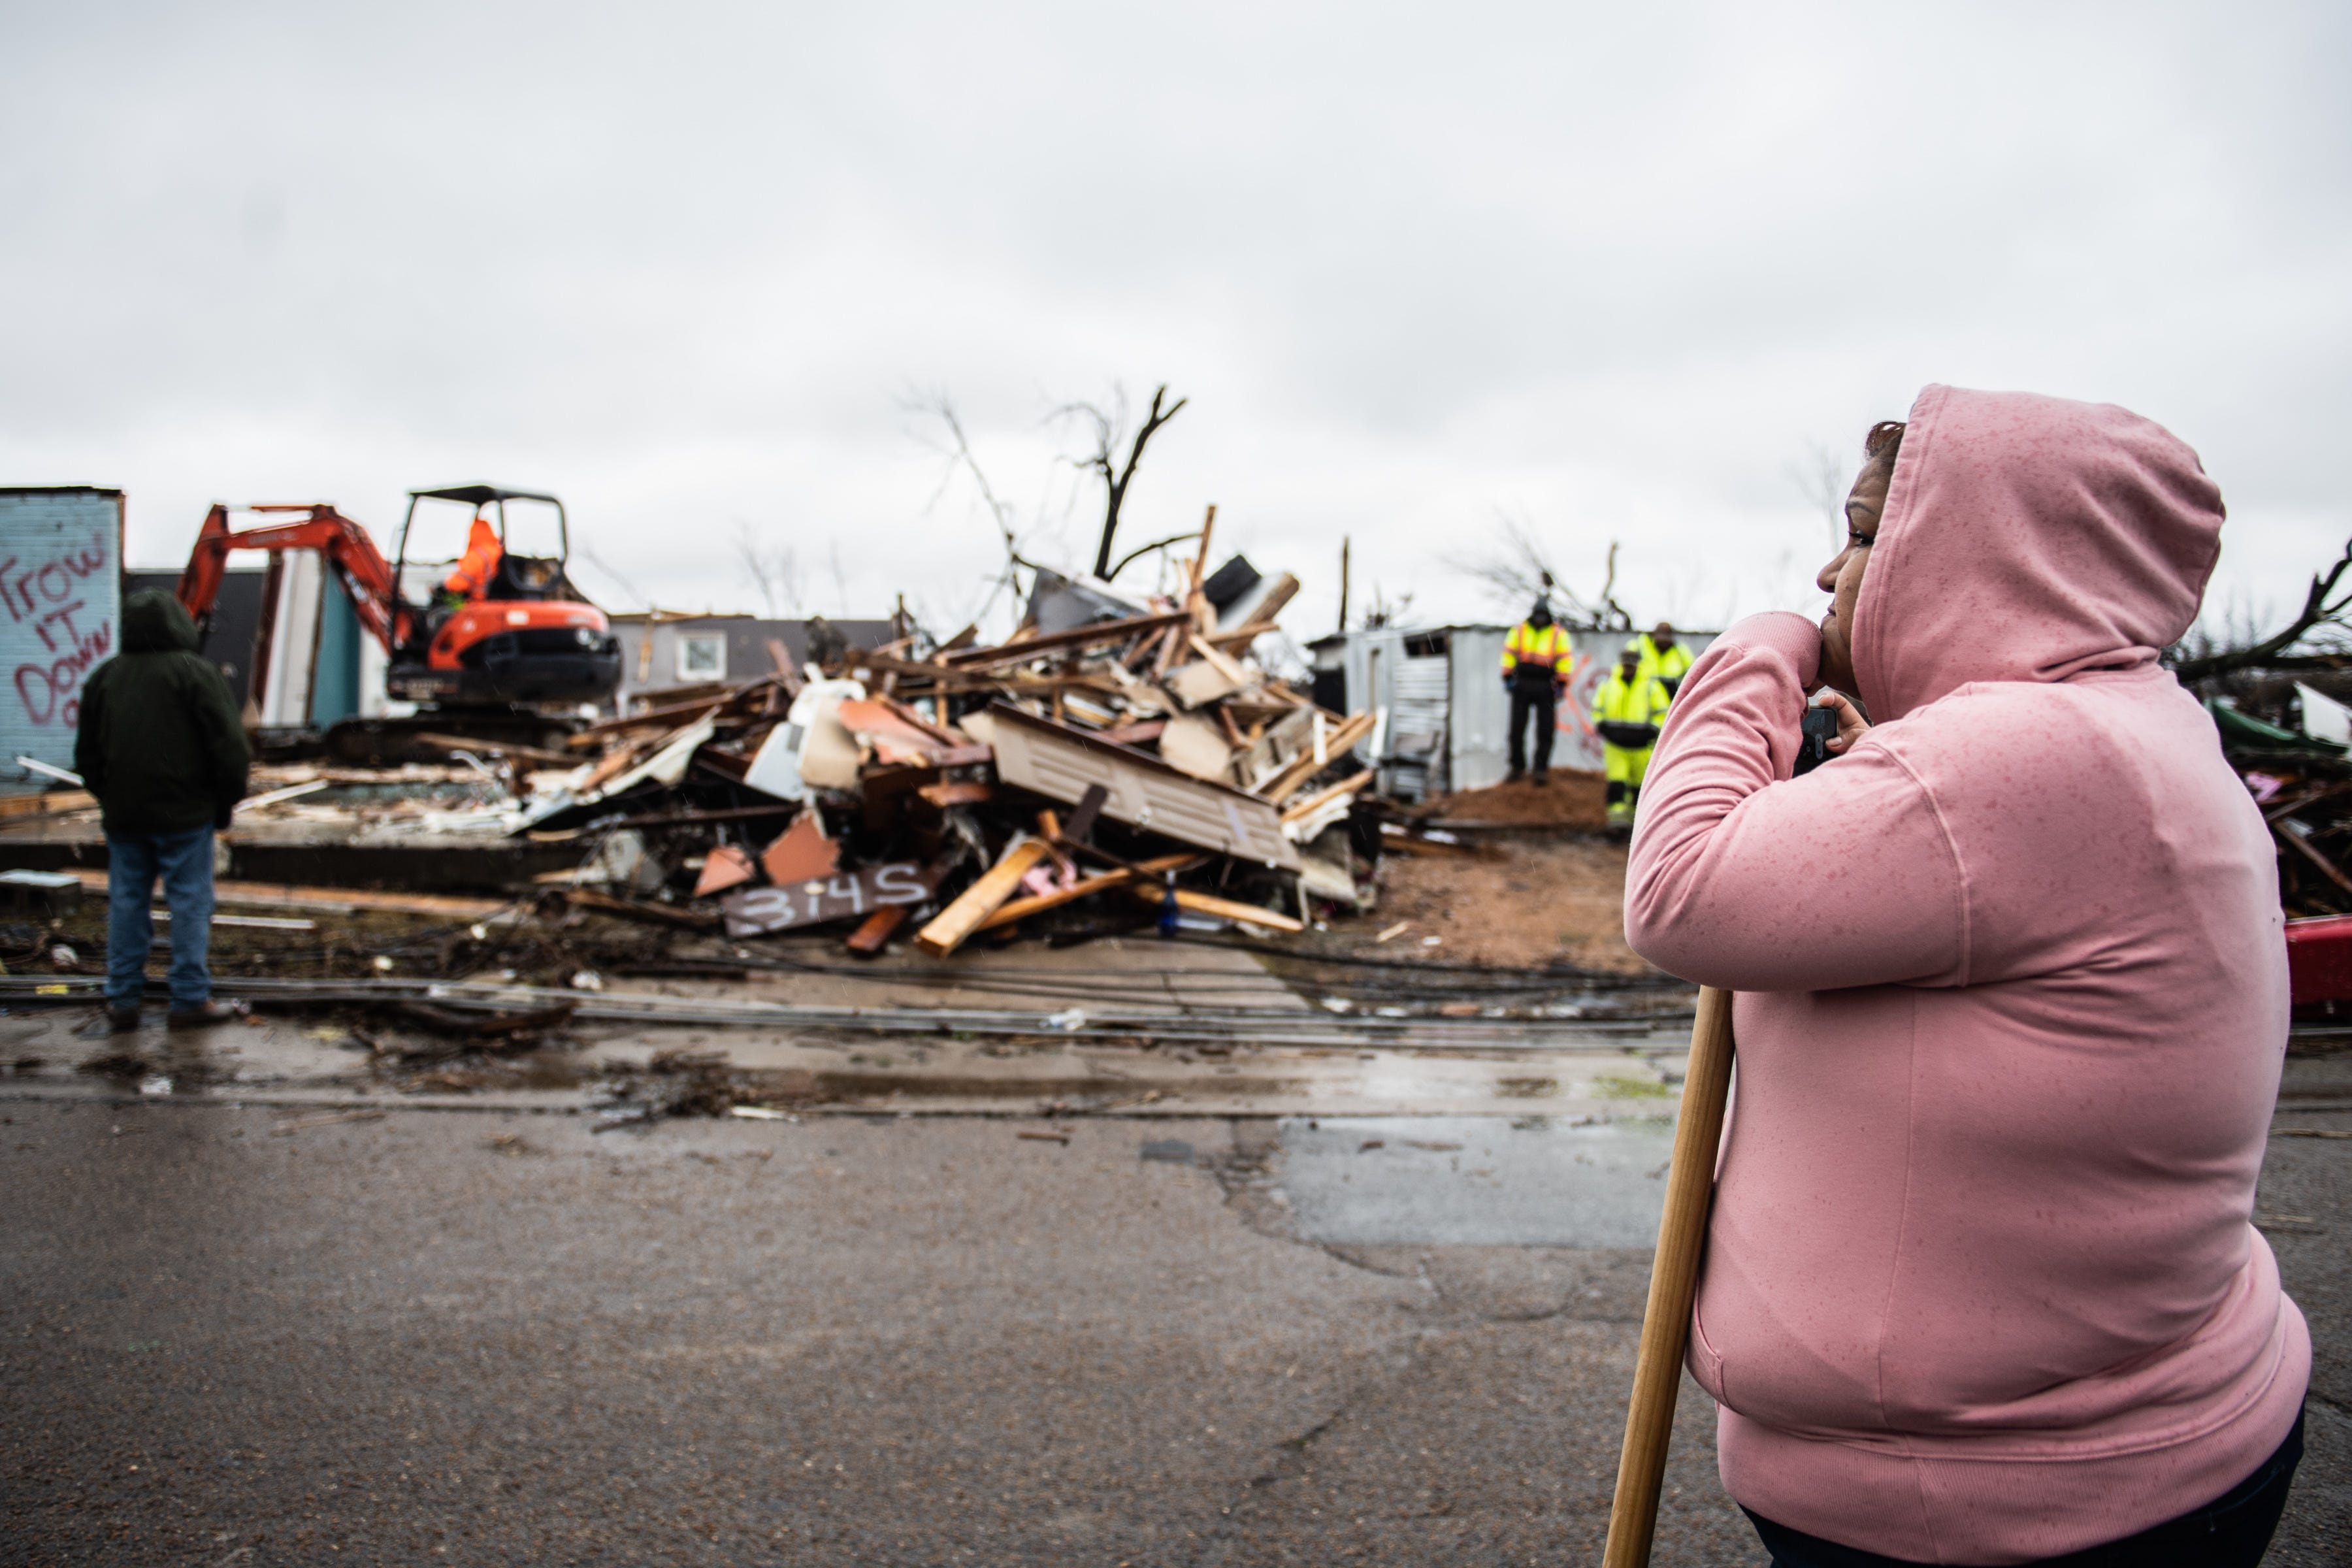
1981,1284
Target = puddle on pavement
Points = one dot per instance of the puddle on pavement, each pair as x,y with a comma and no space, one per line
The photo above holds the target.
1474,1179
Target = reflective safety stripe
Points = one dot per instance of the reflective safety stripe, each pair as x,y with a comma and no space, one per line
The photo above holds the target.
1541,649
1642,700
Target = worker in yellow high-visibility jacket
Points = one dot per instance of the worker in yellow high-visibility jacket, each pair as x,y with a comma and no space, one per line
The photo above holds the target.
1627,710
1663,656
1534,669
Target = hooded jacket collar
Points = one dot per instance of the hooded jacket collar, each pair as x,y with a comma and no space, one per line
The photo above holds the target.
2029,538
156,621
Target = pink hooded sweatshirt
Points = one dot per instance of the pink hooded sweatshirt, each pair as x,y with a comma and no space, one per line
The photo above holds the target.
1981,1284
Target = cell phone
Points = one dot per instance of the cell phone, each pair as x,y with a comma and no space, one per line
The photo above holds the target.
1820,728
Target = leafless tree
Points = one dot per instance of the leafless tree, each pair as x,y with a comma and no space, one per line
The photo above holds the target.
840,580
1820,477
775,572
2321,633
627,587
956,448
1109,430
1518,573
1384,611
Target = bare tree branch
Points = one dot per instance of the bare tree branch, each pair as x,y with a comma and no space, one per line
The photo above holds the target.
2317,612
1104,460
775,574
958,451
1519,574
1131,556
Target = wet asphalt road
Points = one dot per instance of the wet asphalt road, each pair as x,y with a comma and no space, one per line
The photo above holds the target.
461,1337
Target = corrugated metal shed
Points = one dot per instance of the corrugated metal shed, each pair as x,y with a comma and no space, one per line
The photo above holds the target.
61,586
1442,715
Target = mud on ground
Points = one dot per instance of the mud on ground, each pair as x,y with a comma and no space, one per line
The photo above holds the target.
1571,798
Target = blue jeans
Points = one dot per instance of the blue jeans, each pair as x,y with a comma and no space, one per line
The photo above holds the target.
184,861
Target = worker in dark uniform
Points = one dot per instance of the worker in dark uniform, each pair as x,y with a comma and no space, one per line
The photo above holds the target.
1535,668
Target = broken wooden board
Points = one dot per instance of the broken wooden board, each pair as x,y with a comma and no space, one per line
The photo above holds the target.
952,925
1200,682
1222,908
271,895
1058,763
758,911
1198,746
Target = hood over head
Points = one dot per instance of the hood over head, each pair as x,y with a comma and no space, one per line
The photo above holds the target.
2029,538
156,622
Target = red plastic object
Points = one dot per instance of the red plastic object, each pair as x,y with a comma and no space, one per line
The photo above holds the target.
2319,959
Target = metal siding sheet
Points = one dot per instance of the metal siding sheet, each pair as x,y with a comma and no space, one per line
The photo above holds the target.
61,583
1578,744
1481,709
1059,763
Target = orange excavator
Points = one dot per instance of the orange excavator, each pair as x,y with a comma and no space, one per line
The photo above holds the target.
496,640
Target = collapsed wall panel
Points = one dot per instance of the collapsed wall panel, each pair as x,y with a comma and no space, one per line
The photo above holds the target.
1060,764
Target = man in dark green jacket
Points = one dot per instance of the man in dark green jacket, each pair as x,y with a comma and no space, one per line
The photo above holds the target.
159,745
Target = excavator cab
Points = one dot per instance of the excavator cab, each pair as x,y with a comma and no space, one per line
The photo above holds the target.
502,631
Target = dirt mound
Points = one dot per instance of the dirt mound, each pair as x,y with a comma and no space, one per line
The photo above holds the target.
1540,900
1573,799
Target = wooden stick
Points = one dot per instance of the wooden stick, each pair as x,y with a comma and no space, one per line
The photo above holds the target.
1224,909
998,882
1674,1284
1315,801
1085,887
1337,744
873,932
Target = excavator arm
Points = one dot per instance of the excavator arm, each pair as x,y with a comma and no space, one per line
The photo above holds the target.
365,574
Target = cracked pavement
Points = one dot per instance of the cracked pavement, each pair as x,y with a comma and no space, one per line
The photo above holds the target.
482,1336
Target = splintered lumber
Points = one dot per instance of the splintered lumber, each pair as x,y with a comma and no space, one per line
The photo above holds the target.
636,910
1085,888
1223,663
1307,764
958,792
500,748
1022,651
952,925
876,929
1239,636
1674,1283
2295,835
271,895
1321,798
45,804
1224,909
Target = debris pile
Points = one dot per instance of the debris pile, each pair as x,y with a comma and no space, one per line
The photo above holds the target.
2297,764
1112,765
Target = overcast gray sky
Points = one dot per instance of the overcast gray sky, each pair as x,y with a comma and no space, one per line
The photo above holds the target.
1612,269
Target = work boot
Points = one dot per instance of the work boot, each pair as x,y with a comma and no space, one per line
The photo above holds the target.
1621,816
1514,775
121,1020
205,1014
1543,777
